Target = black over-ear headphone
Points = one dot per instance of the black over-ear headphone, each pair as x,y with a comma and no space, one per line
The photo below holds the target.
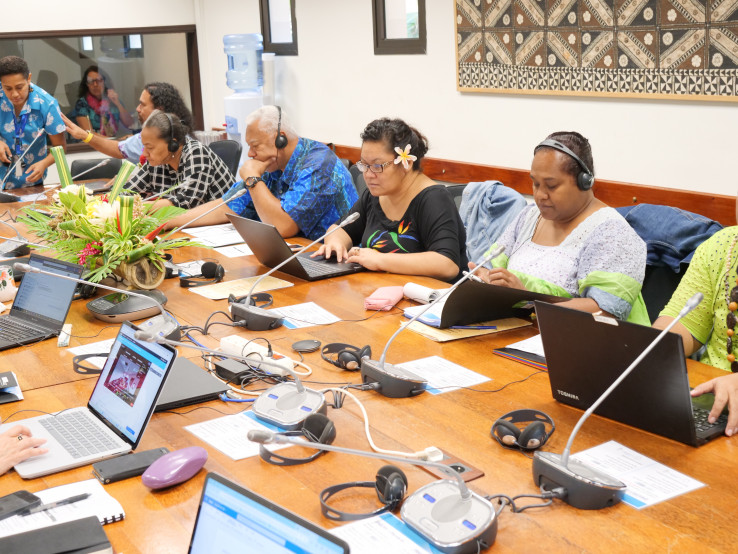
390,484
533,436
348,356
172,143
316,428
585,179
280,140
211,271
259,299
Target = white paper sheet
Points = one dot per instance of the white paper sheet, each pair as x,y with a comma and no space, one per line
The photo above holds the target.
228,434
94,348
442,375
308,314
384,533
215,235
533,345
235,251
648,481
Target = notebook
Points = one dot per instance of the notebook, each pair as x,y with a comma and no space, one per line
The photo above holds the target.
229,516
585,354
41,303
116,415
188,384
271,250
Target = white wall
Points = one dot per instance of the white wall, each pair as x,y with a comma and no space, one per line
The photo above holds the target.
336,85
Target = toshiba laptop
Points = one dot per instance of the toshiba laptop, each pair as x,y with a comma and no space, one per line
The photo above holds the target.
41,303
116,415
231,518
585,354
270,249
188,384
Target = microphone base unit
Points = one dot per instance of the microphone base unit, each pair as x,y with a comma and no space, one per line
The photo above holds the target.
284,406
586,487
7,198
394,382
454,525
120,306
162,327
257,319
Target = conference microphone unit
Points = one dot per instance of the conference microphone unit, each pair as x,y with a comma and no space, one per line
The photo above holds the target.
445,513
285,405
6,197
393,381
588,488
163,325
258,319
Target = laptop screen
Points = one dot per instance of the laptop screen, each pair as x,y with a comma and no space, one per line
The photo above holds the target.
130,383
46,298
230,517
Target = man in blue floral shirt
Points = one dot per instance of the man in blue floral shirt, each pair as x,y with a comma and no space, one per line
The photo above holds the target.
296,184
26,111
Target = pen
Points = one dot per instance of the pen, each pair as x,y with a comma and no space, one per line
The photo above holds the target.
472,277
473,327
49,506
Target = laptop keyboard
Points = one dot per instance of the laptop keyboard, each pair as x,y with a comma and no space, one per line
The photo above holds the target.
78,433
13,330
701,423
314,267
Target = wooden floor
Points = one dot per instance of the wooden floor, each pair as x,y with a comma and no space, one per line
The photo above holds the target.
458,422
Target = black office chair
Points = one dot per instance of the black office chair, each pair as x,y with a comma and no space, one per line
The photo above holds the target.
107,171
358,177
229,151
456,192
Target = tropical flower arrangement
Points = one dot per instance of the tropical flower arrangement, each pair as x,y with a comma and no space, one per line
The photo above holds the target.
106,234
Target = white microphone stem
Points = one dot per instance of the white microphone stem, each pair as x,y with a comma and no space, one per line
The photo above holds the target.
23,155
691,304
463,489
445,293
350,219
190,222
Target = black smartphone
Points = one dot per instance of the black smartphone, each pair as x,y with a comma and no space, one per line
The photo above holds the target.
18,501
126,466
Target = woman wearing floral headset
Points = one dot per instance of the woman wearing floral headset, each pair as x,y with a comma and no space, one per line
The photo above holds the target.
407,223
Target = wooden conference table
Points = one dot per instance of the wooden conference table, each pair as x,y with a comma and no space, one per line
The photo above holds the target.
458,422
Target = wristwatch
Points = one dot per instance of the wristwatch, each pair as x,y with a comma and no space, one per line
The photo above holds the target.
250,182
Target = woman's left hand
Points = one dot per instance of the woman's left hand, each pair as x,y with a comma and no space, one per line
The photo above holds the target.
367,257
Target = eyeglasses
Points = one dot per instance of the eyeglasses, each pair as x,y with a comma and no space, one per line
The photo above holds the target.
99,81
375,168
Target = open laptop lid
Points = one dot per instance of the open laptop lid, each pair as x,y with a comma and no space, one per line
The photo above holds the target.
44,300
585,355
130,384
229,516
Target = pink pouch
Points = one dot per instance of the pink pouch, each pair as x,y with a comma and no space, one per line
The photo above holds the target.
383,298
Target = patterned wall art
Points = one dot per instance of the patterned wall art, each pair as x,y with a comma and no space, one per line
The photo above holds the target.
678,49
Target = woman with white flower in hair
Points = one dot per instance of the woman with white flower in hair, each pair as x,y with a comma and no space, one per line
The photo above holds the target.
407,223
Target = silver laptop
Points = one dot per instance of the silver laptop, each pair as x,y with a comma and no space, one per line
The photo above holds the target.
231,518
271,250
585,355
189,384
116,415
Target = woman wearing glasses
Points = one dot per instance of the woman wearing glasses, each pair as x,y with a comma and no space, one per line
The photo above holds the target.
407,223
98,108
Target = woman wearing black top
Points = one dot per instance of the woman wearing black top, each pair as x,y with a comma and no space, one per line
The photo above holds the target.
407,223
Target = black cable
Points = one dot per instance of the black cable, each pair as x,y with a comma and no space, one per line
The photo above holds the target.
494,390
195,409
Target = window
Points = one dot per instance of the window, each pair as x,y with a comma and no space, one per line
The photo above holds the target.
279,27
399,26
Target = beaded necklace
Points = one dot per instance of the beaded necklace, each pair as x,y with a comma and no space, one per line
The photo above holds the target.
731,298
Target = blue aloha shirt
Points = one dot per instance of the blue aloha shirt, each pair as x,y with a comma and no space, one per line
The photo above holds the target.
43,113
315,189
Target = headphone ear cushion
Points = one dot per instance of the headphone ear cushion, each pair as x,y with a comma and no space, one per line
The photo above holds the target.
209,270
348,360
319,428
585,180
507,433
532,436
391,485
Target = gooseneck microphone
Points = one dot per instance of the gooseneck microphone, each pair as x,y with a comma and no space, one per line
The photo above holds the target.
163,325
446,513
258,319
395,382
285,405
588,488
6,197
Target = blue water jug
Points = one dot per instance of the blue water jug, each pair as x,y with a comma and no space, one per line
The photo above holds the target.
244,61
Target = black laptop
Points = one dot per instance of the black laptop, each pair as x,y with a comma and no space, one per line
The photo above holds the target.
41,303
188,384
233,519
585,354
271,250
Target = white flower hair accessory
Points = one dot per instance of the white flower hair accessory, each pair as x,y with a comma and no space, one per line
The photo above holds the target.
404,156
